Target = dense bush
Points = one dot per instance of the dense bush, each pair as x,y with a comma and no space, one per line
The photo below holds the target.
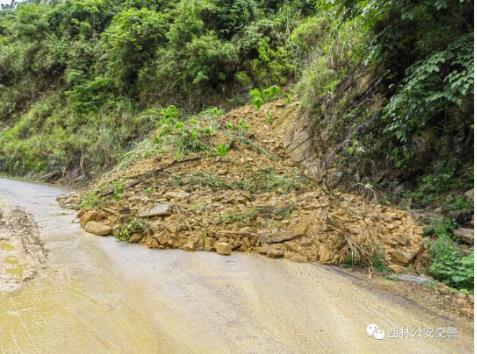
448,263
389,87
97,64
91,59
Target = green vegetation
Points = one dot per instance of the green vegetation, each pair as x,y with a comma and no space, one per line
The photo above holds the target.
222,150
437,186
378,262
266,180
392,83
449,265
129,228
259,97
83,81
243,218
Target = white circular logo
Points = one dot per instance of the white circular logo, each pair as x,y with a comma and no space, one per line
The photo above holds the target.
371,328
379,334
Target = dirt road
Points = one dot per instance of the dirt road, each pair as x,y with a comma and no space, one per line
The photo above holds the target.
96,295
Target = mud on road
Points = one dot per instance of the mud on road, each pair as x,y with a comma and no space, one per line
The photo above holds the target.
21,250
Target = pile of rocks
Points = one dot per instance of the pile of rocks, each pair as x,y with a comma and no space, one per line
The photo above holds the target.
213,204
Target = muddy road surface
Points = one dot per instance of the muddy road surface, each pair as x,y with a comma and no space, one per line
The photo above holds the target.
70,292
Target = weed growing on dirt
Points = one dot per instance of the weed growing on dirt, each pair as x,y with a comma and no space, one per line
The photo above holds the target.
222,150
244,218
449,264
129,228
89,200
206,180
260,97
378,262
118,190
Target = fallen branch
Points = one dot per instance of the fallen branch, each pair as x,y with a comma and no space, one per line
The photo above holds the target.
144,176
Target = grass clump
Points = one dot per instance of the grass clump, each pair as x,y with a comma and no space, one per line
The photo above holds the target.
448,263
89,200
187,136
260,97
222,150
243,218
132,226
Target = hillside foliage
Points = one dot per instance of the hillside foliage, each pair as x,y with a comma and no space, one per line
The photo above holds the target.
385,86
82,81
75,74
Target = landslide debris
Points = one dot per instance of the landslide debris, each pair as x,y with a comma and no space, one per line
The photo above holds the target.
226,183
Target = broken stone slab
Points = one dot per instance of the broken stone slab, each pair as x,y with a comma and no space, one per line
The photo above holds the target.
96,228
418,279
276,236
296,257
465,235
161,209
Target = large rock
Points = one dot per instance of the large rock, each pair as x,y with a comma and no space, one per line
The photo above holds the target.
223,248
161,209
89,216
465,235
96,228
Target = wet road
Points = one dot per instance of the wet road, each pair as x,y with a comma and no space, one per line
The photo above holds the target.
100,296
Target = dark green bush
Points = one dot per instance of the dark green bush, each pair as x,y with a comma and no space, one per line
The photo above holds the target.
448,264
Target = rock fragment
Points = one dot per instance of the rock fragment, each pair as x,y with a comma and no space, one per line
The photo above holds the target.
96,228
88,216
223,248
277,235
275,253
465,235
161,209
135,238
401,257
